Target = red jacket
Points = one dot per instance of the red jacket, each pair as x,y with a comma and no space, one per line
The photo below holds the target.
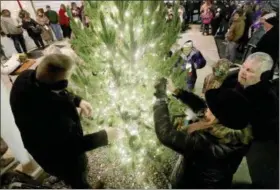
63,19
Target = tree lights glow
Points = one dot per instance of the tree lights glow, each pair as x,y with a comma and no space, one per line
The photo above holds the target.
124,51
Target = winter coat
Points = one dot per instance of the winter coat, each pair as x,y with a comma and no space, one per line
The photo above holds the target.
63,19
52,16
265,103
236,30
269,43
211,82
46,30
49,123
196,61
11,26
207,17
207,162
256,36
28,25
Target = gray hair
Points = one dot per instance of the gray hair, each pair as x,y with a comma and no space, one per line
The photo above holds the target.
263,59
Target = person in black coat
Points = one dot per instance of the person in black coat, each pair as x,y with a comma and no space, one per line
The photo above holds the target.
253,81
212,149
269,43
219,14
47,118
33,29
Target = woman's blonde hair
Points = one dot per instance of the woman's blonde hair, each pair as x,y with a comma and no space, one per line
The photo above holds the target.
227,135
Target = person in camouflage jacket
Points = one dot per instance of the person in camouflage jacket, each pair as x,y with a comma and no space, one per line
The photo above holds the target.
213,148
216,78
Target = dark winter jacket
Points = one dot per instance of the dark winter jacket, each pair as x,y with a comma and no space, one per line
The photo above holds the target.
28,25
236,30
207,162
49,123
264,99
269,43
52,16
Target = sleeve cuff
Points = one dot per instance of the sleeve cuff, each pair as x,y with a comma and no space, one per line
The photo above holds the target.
77,100
176,92
95,140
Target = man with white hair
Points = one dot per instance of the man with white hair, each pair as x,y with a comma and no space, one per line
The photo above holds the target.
253,81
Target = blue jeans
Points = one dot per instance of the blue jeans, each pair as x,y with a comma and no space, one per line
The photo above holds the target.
57,31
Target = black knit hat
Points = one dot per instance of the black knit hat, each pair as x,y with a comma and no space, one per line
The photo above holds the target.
229,107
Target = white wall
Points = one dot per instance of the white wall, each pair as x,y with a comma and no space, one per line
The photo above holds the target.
55,5
9,130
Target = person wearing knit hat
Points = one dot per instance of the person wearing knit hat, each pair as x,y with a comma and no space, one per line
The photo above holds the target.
212,148
219,71
269,43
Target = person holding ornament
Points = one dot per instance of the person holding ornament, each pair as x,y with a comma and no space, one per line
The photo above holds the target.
47,118
190,60
213,147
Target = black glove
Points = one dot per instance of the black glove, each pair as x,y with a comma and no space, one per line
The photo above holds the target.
160,87
9,35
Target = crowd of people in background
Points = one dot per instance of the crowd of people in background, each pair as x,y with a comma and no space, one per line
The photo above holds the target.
41,28
246,27
237,111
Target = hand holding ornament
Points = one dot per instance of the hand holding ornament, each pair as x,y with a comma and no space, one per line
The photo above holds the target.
170,86
86,108
114,134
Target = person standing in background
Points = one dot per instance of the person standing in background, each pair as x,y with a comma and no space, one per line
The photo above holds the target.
64,21
12,28
269,42
33,29
234,33
85,19
76,11
43,21
53,18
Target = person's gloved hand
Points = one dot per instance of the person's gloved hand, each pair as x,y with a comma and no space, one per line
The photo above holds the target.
113,134
160,87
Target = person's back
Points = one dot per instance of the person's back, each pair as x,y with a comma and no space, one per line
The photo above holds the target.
212,164
37,113
269,43
52,16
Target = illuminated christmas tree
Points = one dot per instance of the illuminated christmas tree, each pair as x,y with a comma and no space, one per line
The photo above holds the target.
124,50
